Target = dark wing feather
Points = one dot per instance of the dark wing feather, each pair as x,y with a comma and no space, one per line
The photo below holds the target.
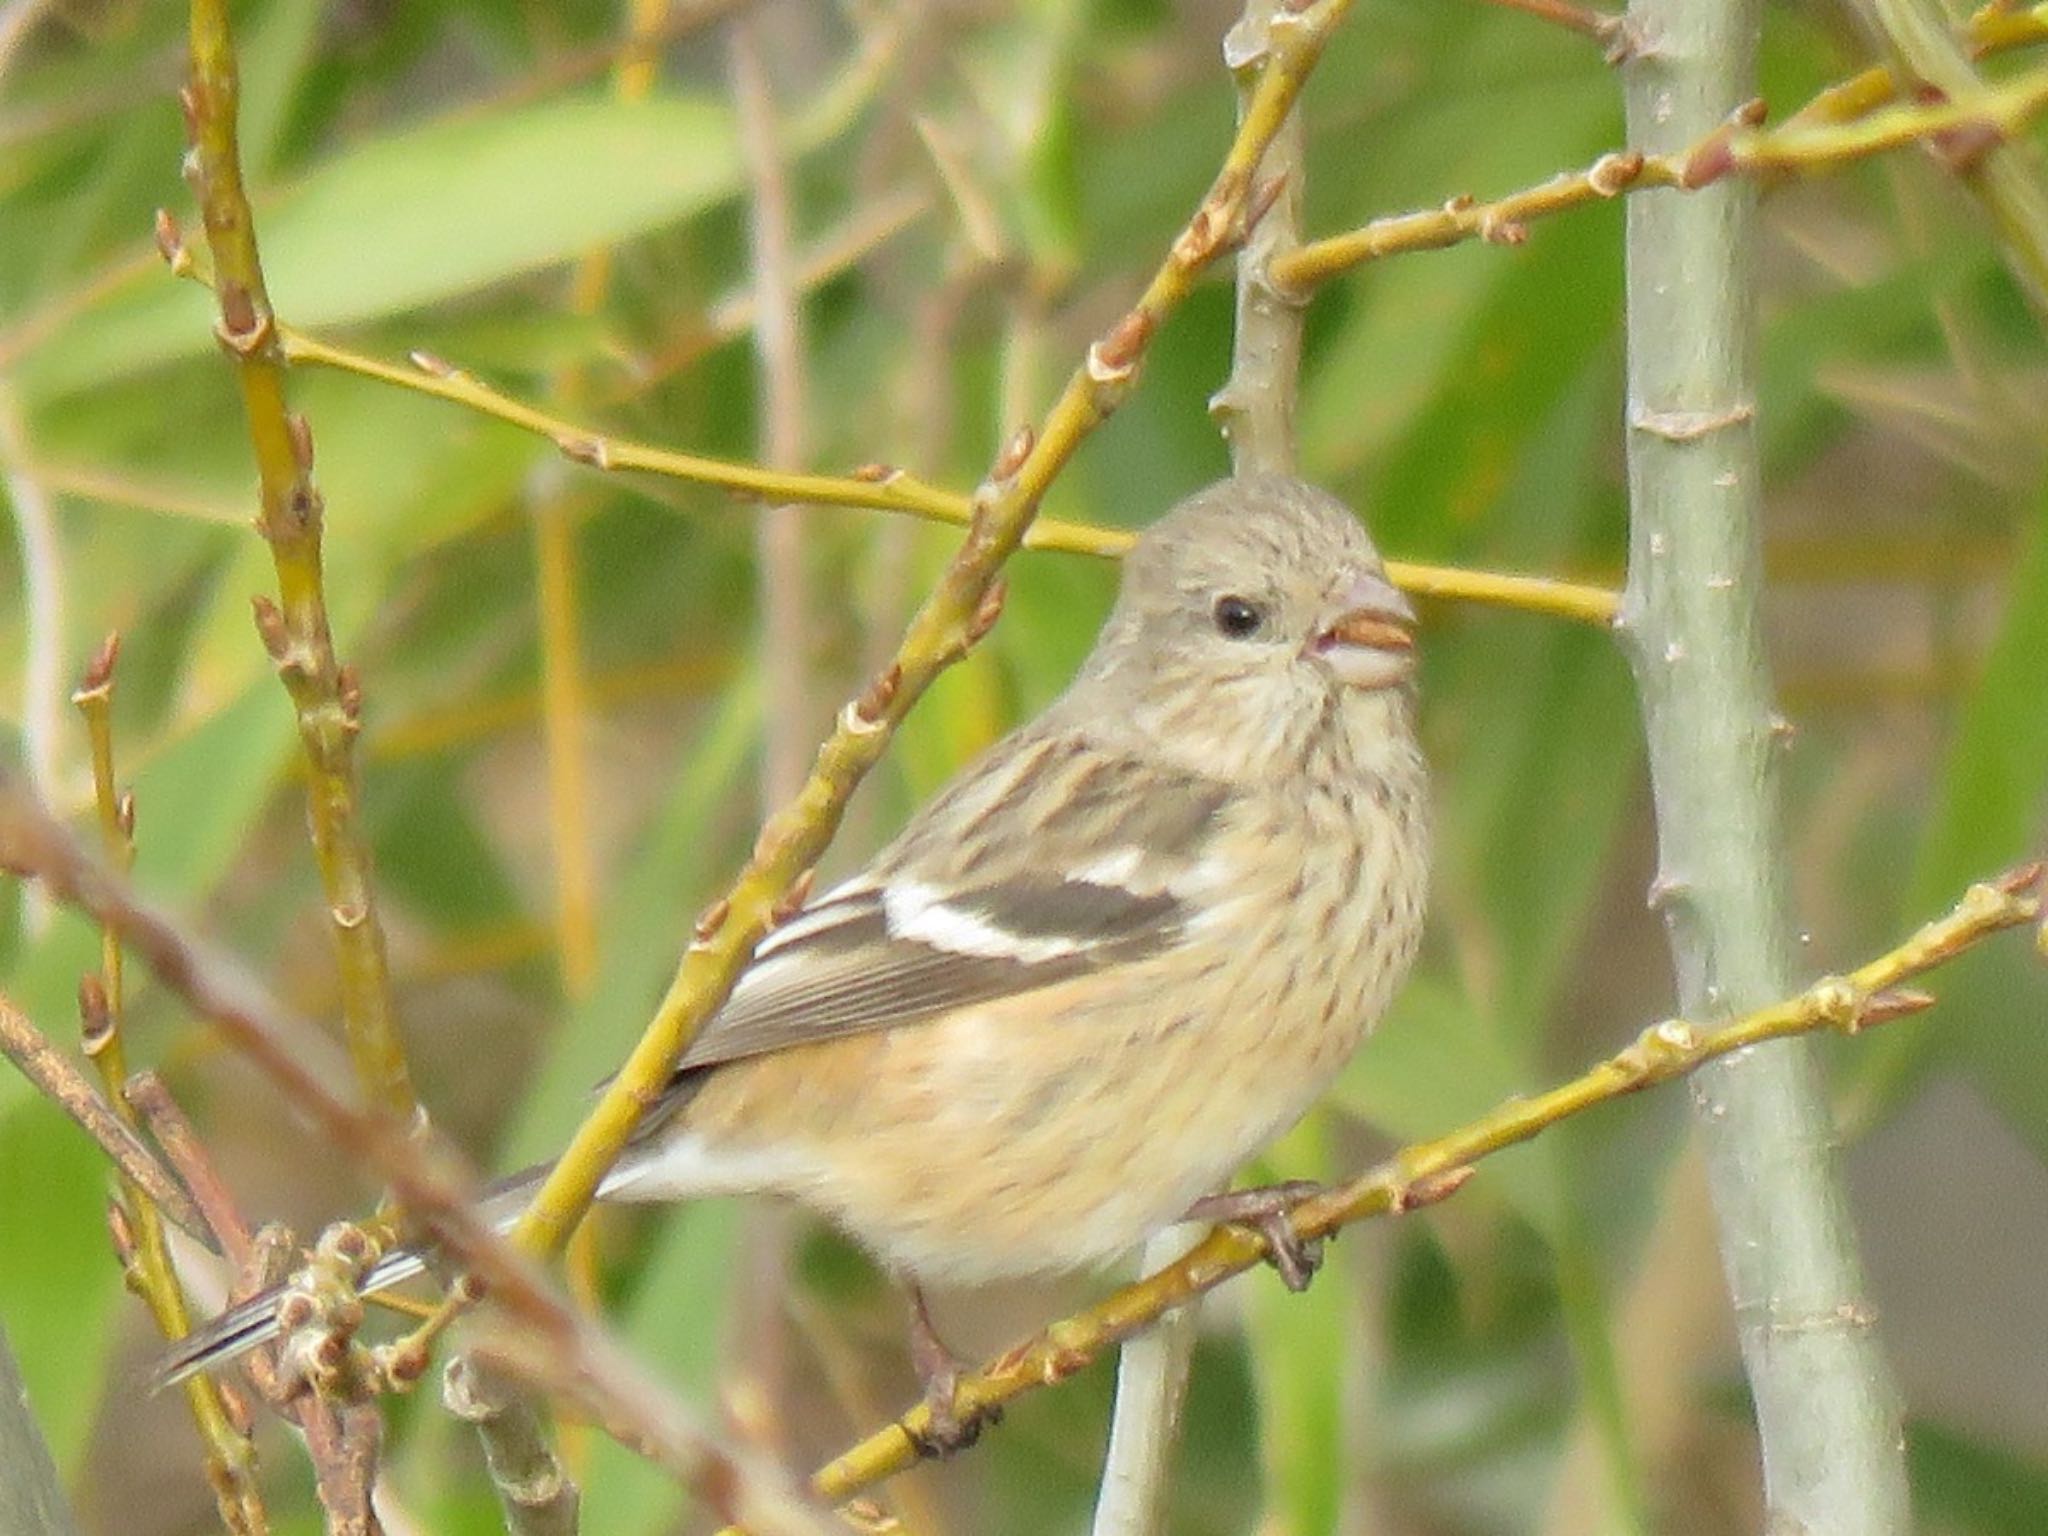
956,913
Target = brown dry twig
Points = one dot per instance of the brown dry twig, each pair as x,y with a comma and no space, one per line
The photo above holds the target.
68,1088
428,1179
341,1440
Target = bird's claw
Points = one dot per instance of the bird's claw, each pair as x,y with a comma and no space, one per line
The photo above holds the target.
946,1428
1266,1211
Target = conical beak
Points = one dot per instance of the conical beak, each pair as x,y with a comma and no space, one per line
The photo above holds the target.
1371,641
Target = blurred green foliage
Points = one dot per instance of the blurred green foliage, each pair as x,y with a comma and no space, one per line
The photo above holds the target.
424,174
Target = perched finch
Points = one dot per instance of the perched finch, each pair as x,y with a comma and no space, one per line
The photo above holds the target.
1115,958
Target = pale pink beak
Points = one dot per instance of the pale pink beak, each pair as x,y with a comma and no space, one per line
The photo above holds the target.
1371,642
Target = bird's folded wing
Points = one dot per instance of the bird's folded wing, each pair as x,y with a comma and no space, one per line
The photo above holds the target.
1093,862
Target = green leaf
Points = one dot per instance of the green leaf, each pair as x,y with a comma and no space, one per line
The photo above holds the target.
646,924
1989,817
677,1326
59,1283
431,213
1300,1357
1963,1484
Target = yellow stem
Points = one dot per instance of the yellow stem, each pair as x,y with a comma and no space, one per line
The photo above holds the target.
146,1255
295,629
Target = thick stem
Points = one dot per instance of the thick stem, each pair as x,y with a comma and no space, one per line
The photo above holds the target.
1255,412
534,1496
1826,1410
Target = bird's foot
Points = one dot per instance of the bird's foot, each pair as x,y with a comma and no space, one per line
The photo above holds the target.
1264,1210
947,1428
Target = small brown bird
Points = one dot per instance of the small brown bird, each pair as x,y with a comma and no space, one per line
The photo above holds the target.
1115,958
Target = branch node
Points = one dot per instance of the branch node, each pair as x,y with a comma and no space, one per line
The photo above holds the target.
95,1015
241,329
300,431
170,243
1833,1000
1613,174
594,451
1689,426
97,681
876,473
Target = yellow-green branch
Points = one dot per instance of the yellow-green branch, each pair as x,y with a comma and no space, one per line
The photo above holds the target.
886,489
1804,145
325,696
1993,29
137,1225
1431,1170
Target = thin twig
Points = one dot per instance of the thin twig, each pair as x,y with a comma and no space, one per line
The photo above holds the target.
1254,410
890,490
760,1323
2002,177
866,230
326,697
1602,26
340,1439
1432,1170
139,1226
1991,29
955,616
66,1087
880,487
428,1178
1802,146
187,1155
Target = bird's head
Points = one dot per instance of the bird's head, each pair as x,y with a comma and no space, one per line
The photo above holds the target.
1256,621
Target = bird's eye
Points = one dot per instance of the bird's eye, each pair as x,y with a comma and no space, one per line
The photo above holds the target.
1239,618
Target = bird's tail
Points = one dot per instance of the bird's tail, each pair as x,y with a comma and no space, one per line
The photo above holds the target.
254,1322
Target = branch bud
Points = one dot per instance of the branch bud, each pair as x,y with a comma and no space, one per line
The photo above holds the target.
1015,452
270,628
97,681
95,1014
987,611
711,919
